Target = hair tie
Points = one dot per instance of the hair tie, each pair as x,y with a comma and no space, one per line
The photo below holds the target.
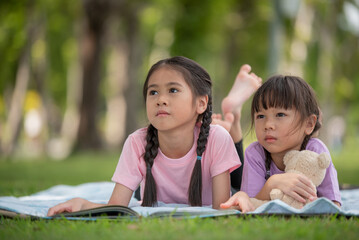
267,174
199,158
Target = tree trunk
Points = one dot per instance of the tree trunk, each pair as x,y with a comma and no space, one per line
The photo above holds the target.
13,124
96,12
302,35
276,36
116,103
133,90
325,74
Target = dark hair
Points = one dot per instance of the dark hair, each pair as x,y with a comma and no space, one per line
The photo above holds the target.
287,92
201,85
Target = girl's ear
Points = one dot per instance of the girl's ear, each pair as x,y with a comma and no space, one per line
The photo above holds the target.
201,104
310,124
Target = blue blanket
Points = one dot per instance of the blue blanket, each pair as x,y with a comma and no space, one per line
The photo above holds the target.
38,204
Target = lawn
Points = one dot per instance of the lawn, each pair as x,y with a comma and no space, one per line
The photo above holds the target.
23,177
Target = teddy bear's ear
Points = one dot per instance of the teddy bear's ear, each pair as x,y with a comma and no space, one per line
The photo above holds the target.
323,160
289,155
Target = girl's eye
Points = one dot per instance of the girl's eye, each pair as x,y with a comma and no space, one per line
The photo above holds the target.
152,92
173,90
281,115
259,116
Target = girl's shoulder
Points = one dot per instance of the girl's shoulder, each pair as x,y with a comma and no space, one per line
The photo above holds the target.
218,130
218,134
137,138
218,138
316,145
255,146
255,151
139,133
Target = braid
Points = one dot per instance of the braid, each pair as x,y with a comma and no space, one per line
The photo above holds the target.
195,186
305,142
150,193
267,163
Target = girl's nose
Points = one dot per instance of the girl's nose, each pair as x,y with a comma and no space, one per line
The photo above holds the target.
162,100
269,125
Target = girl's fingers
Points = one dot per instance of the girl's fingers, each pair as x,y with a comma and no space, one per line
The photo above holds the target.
246,207
297,196
71,205
60,208
230,202
301,192
307,186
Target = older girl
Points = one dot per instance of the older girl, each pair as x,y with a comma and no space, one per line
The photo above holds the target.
179,157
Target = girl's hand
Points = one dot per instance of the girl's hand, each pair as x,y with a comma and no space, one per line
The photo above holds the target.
295,185
240,201
121,195
72,205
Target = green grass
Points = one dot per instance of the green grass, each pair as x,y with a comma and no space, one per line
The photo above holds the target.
220,228
22,177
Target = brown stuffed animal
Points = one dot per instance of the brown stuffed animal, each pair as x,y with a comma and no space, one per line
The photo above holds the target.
308,163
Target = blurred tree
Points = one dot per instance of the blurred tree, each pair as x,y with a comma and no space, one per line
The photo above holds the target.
134,43
87,60
96,13
12,126
125,58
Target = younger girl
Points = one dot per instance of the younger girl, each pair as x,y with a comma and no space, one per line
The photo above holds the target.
285,116
179,157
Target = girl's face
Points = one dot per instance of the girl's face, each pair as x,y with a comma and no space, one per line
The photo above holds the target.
279,130
170,104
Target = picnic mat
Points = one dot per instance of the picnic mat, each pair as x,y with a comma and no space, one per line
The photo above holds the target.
38,204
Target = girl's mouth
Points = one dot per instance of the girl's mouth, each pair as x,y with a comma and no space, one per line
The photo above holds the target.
270,139
162,113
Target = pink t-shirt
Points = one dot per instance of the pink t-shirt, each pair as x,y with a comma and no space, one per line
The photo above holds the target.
172,176
254,171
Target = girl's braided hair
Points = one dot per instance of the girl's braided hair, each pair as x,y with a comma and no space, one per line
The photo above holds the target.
201,85
288,92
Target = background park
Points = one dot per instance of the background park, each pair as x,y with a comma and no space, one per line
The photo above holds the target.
71,78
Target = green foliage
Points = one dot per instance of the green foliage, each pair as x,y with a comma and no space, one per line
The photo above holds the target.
62,20
12,39
220,35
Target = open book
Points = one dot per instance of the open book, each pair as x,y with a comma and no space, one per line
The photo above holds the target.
122,212
117,211
108,211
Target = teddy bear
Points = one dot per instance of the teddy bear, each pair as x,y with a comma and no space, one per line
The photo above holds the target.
308,163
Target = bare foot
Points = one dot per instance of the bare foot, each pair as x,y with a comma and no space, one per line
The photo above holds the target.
226,122
244,86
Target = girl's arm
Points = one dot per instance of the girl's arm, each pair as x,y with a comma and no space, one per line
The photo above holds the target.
121,195
295,185
221,190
